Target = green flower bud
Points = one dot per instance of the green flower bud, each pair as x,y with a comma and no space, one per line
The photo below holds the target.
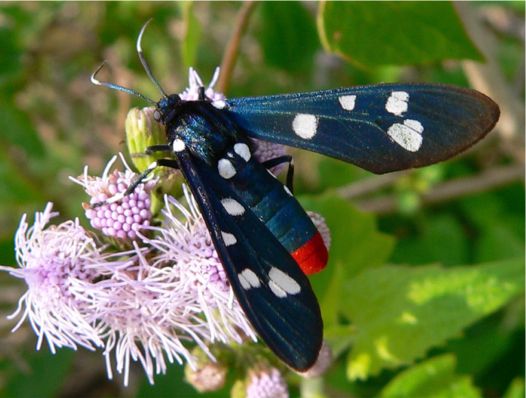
143,131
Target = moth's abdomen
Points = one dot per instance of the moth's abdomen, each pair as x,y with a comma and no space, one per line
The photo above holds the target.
275,206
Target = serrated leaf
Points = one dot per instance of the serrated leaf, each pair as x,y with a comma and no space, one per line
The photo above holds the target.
356,245
288,35
401,312
434,378
371,34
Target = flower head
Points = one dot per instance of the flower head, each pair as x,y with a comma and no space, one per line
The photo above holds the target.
267,383
53,261
185,250
120,218
191,93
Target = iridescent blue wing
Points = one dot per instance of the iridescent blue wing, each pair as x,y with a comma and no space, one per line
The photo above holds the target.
272,290
380,128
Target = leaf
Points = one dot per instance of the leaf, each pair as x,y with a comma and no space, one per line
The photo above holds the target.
288,35
436,233
191,35
433,378
371,34
356,245
516,389
401,312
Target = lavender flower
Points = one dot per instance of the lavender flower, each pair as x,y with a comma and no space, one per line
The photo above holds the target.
185,251
267,383
120,218
53,261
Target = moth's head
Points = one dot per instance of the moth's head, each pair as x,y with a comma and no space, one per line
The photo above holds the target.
166,108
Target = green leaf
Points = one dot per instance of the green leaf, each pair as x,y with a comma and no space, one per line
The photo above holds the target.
434,378
288,35
421,247
371,34
401,312
356,245
191,35
516,389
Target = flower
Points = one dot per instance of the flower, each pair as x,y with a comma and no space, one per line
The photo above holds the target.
267,383
195,83
110,211
185,251
53,260
323,362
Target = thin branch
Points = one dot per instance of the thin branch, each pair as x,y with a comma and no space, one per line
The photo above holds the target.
370,184
232,48
488,77
461,187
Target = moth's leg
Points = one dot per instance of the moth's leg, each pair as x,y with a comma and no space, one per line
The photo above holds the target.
157,148
268,164
118,197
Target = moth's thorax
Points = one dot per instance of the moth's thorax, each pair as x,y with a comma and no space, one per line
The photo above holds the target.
206,131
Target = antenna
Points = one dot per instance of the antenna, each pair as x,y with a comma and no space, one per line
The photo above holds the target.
113,86
145,63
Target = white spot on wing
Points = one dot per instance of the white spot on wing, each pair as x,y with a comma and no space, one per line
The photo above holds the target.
233,207
305,125
278,292
281,284
178,145
226,168
287,190
242,150
407,135
397,103
248,279
347,102
228,238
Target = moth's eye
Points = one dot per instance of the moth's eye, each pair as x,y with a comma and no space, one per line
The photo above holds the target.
157,116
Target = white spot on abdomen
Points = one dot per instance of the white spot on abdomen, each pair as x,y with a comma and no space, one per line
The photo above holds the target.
347,102
281,284
226,168
248,279
407,135
242,150
397,103
233,207
305,125
228,238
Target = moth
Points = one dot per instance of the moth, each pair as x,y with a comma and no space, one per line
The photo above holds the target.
265,240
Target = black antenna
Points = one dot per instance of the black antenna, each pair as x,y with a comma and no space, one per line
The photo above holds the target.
113,86
145,63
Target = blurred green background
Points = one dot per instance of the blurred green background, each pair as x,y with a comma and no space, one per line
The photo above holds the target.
465,216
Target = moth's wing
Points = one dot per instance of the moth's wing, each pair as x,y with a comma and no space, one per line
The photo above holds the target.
274,293
380,128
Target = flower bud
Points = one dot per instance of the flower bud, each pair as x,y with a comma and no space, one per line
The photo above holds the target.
143,131
206,375
266,383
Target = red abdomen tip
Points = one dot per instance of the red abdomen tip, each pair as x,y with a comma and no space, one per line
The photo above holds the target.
312,256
